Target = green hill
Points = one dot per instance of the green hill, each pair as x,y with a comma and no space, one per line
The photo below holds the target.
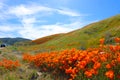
47,38
83,38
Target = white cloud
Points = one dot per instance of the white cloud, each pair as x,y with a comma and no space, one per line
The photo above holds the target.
20,10
34,32
29,27
9,30
25,10
27,15
6,28
67,12
30,31
28,20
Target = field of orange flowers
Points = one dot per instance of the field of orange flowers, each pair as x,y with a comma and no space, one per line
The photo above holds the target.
9,64
101,63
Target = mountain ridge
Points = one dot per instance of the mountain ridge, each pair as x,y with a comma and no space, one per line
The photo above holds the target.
11,41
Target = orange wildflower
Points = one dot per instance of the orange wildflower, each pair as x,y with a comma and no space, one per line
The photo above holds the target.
68,70
112,48
117,39
118,59
108,66
102,41
110,74
96,65
82,64
93,71
1,63
94,59
103,58
88,74
113,62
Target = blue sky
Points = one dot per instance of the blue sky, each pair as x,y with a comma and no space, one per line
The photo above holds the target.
37,18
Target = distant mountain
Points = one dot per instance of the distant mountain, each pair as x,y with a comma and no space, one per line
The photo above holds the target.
11,41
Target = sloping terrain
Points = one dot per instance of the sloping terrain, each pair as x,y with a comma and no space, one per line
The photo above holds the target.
81,38
46,38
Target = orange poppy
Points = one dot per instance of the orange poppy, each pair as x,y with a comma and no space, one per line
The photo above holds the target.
110,74
102,41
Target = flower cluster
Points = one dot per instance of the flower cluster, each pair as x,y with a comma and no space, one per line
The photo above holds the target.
9,64
93,63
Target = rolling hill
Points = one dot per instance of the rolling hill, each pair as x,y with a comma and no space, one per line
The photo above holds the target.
83,38
47,38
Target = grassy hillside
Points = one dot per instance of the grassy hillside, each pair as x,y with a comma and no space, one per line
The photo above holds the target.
83,38
47,38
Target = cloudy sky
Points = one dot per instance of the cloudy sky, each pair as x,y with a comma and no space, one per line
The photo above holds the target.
37,18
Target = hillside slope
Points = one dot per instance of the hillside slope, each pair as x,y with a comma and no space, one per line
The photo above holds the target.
81,38
47,38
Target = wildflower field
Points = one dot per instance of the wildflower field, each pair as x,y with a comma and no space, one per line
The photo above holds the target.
101,63
9,64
